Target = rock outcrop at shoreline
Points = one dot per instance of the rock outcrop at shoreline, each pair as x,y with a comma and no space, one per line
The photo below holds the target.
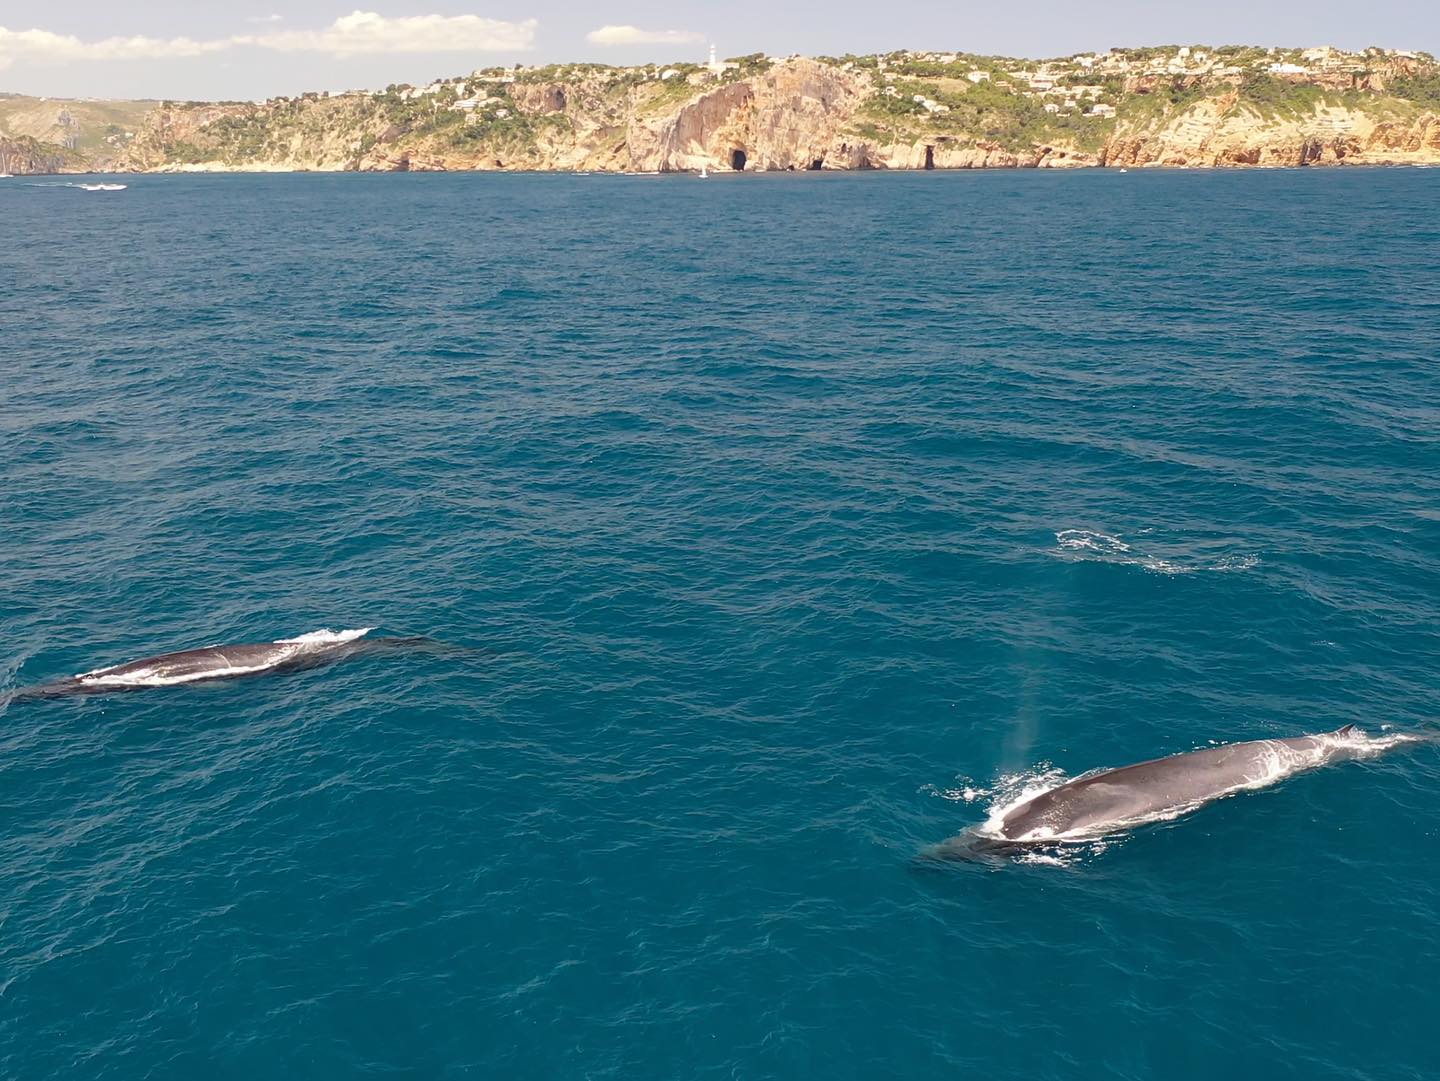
24,155
1194,107
791,116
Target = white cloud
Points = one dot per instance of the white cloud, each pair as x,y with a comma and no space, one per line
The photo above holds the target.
633,35
368,32
45,47
265,19
358,32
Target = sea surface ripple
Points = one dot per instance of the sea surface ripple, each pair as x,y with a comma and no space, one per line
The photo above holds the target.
790,518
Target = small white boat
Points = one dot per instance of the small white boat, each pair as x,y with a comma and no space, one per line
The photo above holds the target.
102,187
704,173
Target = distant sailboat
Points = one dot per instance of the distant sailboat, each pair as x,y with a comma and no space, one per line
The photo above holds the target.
704,172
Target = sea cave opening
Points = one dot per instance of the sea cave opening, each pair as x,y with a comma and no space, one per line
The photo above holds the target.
817,165
737,160
929,157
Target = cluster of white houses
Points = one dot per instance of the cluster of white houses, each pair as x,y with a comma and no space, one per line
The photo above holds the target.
1078,83
1325,64
473,94
1062,85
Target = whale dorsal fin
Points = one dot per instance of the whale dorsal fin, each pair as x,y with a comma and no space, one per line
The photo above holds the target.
1345,730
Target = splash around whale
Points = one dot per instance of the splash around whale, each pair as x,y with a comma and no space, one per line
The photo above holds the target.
1104,803
222,662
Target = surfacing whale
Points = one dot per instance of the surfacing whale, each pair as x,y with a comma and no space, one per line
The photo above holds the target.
1107,802
221,662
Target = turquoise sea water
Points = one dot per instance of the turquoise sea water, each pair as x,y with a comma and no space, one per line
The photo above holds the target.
796,520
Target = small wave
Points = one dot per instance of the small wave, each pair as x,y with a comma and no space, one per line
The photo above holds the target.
1091,545
1235,563
1047,859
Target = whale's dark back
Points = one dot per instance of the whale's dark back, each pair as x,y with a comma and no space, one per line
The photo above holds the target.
1132,792
1128,795
203,661
219,662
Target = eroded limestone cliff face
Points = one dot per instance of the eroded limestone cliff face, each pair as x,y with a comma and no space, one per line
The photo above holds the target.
790,117
805,115
24,155
901,111
1226,131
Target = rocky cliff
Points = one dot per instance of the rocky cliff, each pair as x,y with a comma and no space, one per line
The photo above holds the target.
21,154
1179,107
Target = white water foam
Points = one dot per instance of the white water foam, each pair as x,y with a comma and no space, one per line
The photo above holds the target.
1012,790
1009,789
1086,540
1017,789
325,636
1092,545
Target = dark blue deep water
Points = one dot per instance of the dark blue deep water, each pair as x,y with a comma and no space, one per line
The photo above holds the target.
794,520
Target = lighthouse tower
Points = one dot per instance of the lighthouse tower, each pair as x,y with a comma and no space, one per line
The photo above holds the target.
716,68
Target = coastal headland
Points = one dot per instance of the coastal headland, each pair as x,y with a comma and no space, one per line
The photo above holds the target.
1195,106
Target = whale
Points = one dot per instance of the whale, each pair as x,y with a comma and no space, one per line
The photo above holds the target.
1106,802
221,662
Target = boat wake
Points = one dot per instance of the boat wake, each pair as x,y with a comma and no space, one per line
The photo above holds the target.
77,187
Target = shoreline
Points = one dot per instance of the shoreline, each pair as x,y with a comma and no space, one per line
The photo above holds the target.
1194,107
1154,167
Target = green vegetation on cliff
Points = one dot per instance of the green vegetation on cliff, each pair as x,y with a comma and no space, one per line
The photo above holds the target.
595,116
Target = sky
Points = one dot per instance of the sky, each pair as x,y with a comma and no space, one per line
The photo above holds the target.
253,49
